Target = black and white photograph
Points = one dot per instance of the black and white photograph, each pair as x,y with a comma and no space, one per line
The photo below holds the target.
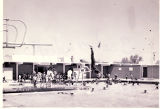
80,54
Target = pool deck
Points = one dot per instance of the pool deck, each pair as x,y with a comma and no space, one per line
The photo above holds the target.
15,87
145,81
113,96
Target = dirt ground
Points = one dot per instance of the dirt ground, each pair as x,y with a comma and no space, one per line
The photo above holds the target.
116,95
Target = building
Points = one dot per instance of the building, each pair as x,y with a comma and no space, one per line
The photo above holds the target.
150,71
18,65
138,71
123,71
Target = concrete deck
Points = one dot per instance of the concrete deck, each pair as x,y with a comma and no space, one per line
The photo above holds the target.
27,86
115,95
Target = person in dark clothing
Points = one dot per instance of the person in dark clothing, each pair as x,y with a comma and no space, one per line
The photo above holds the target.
24,77
136,80
92,59
126,77
115,79
4,79
108,79
93,67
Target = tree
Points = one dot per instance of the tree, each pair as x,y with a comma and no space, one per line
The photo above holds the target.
125,60
135,59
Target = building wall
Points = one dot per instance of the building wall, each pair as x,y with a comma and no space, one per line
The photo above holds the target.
11,65
25,68
8,73
67,67
122,71
99,67
153,71
106,70
59,68
74,65
41,68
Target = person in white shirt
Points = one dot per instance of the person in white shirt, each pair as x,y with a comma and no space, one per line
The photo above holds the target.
69,74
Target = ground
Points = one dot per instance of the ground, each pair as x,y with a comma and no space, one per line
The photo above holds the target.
116,95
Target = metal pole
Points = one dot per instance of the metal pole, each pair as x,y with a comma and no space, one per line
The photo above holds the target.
33,68
63,65
82,78
33,50
90,71
102,70
6,33
141,70
152,71
16,71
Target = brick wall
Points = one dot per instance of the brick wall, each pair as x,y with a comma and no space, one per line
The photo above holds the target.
122,71
153,71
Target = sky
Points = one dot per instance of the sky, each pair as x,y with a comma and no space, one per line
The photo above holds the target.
124,28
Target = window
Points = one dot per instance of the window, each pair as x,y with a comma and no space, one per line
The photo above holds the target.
119,68
130,68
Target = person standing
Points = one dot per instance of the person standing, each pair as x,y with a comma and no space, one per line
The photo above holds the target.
19,78
108,78
4,79
69,74
35,80
92,60
44,77
126,77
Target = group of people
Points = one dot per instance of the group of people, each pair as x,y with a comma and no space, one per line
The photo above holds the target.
116,80
37,77
50,77
23,77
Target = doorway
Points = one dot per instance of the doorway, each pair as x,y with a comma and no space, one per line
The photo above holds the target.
145,72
